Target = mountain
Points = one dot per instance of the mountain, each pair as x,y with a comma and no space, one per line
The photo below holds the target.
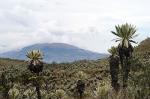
55,52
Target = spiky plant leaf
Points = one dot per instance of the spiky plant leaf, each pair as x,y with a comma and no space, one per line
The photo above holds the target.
126,32
35,56
113,51
35,61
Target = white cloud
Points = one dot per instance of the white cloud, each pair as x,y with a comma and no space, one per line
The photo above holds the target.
84,23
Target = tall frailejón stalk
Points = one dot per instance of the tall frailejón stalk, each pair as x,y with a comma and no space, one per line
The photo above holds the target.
125,33
35,66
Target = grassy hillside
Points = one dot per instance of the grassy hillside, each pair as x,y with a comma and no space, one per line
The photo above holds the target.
60,79
55,76
140,74
144,46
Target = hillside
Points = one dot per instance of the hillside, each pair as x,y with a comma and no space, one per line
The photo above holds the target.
58,76
144,45
64,76
55,52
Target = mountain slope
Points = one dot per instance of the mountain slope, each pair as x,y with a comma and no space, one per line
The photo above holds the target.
58,52
144,45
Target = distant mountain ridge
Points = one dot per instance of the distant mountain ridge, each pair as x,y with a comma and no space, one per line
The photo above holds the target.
55,52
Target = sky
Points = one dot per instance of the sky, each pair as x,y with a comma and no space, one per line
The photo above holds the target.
83,23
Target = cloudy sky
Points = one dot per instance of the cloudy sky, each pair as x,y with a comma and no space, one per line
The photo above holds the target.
83,23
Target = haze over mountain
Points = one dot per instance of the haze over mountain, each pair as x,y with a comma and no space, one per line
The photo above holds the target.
55,52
